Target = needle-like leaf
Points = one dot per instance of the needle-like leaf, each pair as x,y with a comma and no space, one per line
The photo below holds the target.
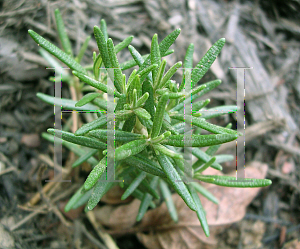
200,211
231,181
81,140
146,200
119,136
168,199
65,41
58,53
199,140
176,181
159,115
134,184
115,65
87,98
95,174
207,60
83,49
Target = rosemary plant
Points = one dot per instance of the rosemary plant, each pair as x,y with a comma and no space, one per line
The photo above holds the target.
150,119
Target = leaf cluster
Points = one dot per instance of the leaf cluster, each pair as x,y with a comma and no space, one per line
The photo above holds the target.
150,122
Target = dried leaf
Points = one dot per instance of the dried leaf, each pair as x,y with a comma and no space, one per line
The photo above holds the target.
115,218
187,233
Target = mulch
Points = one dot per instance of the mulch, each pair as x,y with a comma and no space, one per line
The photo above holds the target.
262,35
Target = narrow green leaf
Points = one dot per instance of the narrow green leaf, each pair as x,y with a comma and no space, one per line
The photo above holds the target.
96,84
196,105
207,60
83,49
101,42
139,61
81,140
119,115
95,174
168,199
168,41
62,33
94,56
136,55
91,126
143,74
120,105
167,126
176,181
200,211
218,111
145,164
123,86
163,47
131,63
230,181
84,158
169,74
203,191
72,147
103,29
123,44
159,115
74,199
119,136
199,140
139,195
224,158
115,65
84,199
155,55
102,104
142,113
58,53
130,149
201,122
203,157
188,59
186,169
131,79
142,100
146,200
179,127
54,63
149,104
209,86
134,184
102,186
205,165
160,73
146,187
67,104
134,98
213,149
161,137
96,67
171,95
197,89
87,98
200,104
162,149
138,87
131,87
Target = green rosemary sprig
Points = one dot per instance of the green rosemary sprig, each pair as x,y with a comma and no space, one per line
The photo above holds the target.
149,122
